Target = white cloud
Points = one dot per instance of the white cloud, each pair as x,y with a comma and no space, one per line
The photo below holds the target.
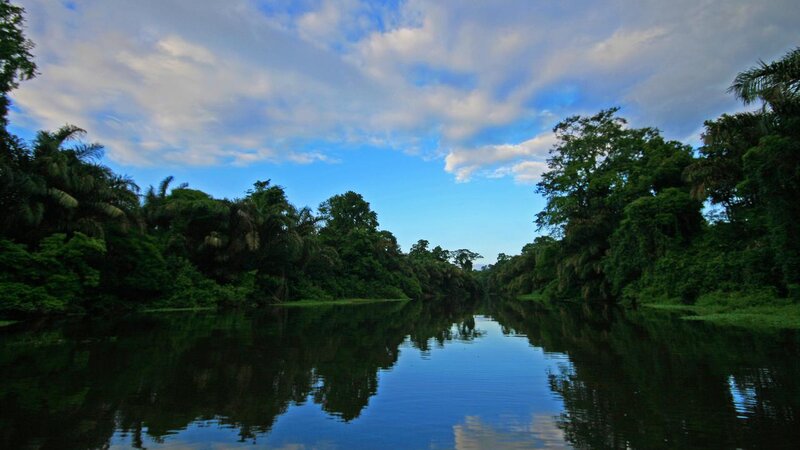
236,82
528,172
530,156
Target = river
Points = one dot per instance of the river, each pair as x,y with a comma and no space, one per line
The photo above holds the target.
397,375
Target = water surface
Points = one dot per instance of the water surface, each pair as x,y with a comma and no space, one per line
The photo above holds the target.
399,375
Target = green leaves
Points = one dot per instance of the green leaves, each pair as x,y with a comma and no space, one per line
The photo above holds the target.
56,277
62,198
16,61
774,83
599,168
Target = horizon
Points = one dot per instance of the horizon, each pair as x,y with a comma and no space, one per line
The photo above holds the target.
439,114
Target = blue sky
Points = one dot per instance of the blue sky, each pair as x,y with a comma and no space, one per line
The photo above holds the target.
438,112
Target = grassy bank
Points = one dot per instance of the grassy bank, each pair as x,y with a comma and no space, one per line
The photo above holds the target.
189,309
764,317
344,301
754,310
534,297
762,310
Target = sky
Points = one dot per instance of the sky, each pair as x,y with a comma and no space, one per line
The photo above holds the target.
440,113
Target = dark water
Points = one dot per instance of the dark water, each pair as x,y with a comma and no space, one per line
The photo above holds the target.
400,375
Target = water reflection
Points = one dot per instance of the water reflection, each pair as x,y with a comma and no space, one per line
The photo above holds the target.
541,432
73,385
400,375
645,381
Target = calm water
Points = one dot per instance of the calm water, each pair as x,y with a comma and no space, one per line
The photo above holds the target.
400,375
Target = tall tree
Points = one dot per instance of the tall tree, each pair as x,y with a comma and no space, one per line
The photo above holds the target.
464,258
599,167
16,60
347,212
776,83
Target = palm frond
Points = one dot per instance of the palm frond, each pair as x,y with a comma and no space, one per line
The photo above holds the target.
63,199
771,82
251,240
164,185
88,152
213,240
66,133
110,210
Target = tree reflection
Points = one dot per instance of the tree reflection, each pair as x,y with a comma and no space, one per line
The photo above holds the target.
638,381
653,381
72,385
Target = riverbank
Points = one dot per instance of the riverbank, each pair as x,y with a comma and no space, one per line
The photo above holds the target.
344,301
771,317
761,312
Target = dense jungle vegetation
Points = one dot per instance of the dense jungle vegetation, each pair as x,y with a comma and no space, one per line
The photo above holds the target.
630,217
635,218
76,237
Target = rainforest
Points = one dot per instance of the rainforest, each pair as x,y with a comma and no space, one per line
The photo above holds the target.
656,306
631,218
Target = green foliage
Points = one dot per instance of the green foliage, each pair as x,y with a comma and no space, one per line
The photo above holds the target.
464,258
76,236
651,227
56,277
776,83
134,268
604,178
533,271
16,60
624,209
183,248
345,213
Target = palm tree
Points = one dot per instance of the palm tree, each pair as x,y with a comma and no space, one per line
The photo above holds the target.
154,209
77,193
775,83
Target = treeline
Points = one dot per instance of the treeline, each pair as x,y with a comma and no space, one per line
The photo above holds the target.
633,217
75,236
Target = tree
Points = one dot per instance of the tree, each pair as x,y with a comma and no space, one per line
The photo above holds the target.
440,254
420,249
277,247
651,227
16,60
776,83
464,258
53,187
598,168
750,165
346,212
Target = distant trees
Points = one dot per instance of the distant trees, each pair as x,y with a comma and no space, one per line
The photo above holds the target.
78,237
183,247
464,258
75,236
